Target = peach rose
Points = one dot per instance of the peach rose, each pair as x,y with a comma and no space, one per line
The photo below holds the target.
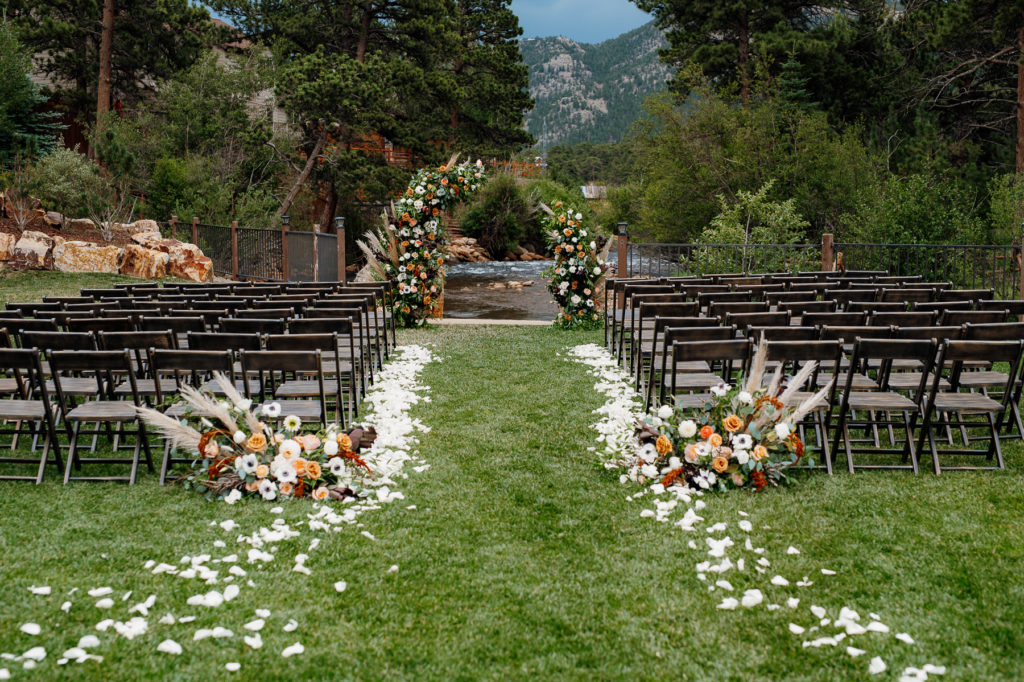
344,442
313,470
257,442
285,489
715,440
252,487
691,454
760,452
706,431
278,438
719,464
211,449
320,493
300,466
663,445
262,471
309,442
732,423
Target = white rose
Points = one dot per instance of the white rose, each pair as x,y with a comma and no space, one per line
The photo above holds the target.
688,429
742,456
782,430
745,398
665,411
239,437
331,447
579,216
597,271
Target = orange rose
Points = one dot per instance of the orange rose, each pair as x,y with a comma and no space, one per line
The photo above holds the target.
344,442
300,466
732,423
286,489
719,464
706,431
663,445
257,442
262,471
320,493
715,440
252,487
313,470
760,452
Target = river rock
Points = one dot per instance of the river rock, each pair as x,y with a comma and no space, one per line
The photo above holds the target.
75,256
138,261
32,251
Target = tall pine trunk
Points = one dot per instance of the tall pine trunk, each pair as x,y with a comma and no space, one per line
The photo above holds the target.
106,47
1020,102
744,49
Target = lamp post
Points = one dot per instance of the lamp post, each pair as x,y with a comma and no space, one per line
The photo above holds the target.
284,247
622,270
339,231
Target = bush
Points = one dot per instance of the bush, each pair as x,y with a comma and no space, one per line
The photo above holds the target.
65,180
919,209
1006,207
500,217
168,188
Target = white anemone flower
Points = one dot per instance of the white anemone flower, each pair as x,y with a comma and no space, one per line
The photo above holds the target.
286,474
742,441
745,398
272,410
247,464
239,437
782,430
742,456
336,466
292,422
267,489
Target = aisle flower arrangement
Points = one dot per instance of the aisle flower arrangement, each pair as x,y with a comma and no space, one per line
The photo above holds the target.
410,250
237,451
577,276
744,436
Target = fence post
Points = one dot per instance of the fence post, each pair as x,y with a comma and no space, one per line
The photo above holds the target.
622,270
195,231
316,252
827,255
1020,264
284,248
174,227
234,249
339,231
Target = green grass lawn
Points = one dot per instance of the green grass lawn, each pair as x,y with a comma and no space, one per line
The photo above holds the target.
524,559
32,285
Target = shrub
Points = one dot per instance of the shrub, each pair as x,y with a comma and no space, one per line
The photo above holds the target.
65,180
500,218
1006,207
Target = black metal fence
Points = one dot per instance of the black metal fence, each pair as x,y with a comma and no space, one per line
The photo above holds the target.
259,254
215,242
966,266
668,260
327,257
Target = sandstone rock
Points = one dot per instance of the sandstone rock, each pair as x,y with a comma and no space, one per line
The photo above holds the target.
145,226
7,242
138,261
153,240
81,224
188,262
75,256
53,219
32,251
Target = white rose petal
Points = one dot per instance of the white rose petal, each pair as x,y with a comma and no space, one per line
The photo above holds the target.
854,651
340,586
796,629
43,590
169,646
233,667
877,666
107,603
100,592
293,650
904,637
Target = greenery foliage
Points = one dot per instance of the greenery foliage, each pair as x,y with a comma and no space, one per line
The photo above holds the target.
24,129
501,217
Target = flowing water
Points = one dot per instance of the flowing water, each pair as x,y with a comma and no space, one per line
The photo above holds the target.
472,291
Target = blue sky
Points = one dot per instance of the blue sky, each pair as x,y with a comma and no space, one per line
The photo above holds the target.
585,21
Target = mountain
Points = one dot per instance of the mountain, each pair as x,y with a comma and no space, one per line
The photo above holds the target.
591,93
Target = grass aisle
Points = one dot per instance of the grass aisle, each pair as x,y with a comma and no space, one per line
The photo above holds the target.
523,559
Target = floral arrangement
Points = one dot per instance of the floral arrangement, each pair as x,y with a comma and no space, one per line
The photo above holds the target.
412,247
237,454
744,436
577,276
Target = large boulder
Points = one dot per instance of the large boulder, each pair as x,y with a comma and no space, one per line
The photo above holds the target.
77,256
136,227
7,242
53,219
186,260
32,251
138,261
81,224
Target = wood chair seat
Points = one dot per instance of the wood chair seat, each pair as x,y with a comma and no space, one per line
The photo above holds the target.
75,386
306,410
860,382
17,410
8,386
693,380
908,381
103,411
875,400
966,403
303,388
983,379
146,387
693,401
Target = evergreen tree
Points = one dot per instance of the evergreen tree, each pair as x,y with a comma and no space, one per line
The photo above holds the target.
24,129
152,40
792,86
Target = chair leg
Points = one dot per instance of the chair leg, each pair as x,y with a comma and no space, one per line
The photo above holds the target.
994,445
135,462
166,463
72,453
43,459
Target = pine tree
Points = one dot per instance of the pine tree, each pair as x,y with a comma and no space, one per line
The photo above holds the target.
792,86
24,129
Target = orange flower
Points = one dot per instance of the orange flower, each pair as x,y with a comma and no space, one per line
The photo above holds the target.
309,442
313,470
252,487
344,442
320,493
286,489
760,452
715,440
262,471
257,442
719,464
300,466
561,219
706,431
558,204
663,445
732,423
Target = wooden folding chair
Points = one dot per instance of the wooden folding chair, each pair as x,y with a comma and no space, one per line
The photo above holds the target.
28,411
727,359
106,411
334,370
964,405
273,368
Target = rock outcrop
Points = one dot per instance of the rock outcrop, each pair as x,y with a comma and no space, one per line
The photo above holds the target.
138,261
32,251
75,256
